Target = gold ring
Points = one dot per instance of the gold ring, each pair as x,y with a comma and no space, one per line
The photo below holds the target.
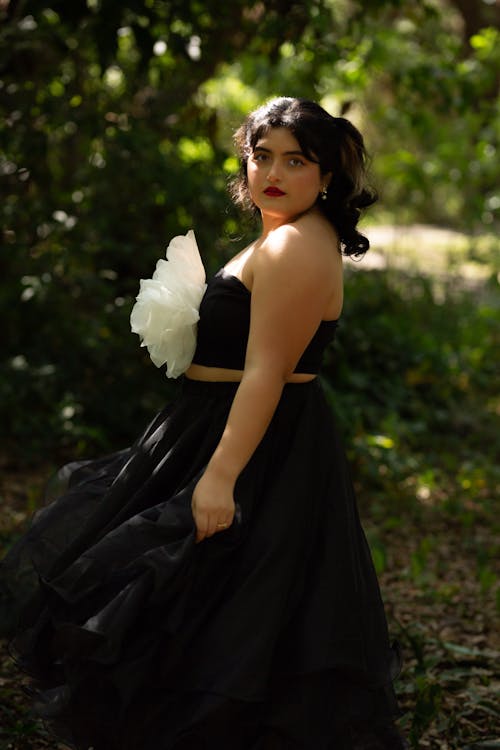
222,524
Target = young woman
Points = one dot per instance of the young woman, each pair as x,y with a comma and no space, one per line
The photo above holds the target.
211,586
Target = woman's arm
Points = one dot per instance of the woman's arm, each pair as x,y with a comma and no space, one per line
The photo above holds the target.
292,286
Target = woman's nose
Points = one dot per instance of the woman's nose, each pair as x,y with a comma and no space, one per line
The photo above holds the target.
274,173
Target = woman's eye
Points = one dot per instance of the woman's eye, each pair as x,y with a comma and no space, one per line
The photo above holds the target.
296,162
260,157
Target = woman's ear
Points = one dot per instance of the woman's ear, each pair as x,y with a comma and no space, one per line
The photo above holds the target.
326,179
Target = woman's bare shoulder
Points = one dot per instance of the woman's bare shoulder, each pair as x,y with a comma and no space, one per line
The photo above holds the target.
309,243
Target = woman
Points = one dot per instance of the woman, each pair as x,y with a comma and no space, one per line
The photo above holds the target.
211,586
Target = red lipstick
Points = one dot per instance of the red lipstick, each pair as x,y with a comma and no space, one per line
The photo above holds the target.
274,192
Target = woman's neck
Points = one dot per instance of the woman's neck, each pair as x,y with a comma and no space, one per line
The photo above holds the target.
270,223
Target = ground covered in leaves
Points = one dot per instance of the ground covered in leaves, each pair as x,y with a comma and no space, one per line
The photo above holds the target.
437,575
444,611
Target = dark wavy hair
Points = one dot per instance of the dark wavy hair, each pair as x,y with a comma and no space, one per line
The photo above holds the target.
333,142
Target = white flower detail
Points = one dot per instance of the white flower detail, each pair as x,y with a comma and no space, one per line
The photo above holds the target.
166,311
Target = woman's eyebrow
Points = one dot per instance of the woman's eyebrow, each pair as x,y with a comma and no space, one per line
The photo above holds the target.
285,153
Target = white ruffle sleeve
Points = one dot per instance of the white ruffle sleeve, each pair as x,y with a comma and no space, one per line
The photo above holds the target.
166,310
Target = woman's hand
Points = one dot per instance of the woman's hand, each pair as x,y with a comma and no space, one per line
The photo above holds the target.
212,504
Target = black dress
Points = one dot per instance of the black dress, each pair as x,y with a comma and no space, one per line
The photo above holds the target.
270,635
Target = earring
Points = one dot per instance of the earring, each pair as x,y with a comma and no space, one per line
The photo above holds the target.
324,193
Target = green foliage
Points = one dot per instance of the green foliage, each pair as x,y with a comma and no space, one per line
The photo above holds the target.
413,381
441,162
427,103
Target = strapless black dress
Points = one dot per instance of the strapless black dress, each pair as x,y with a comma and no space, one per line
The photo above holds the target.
270,635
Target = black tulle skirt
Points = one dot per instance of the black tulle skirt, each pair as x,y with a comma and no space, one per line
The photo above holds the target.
270,634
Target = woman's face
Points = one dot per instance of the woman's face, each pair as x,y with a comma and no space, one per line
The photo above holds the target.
282,182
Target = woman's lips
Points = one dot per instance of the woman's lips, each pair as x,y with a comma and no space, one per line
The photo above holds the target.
274,192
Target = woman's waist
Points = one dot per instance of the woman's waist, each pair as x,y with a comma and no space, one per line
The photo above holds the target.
226,389
207,374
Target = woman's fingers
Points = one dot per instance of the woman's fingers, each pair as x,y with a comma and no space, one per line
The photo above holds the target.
201,520
219,524
208,525
212,504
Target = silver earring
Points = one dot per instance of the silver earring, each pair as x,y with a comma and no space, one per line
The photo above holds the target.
324,193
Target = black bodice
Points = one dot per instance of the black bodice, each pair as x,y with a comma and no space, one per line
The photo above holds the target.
224,326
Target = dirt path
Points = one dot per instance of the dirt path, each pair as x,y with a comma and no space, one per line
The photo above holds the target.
428,249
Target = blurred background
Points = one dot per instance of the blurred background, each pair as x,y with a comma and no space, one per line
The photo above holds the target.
116,134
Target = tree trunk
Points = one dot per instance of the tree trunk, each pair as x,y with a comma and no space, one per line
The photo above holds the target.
476,14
